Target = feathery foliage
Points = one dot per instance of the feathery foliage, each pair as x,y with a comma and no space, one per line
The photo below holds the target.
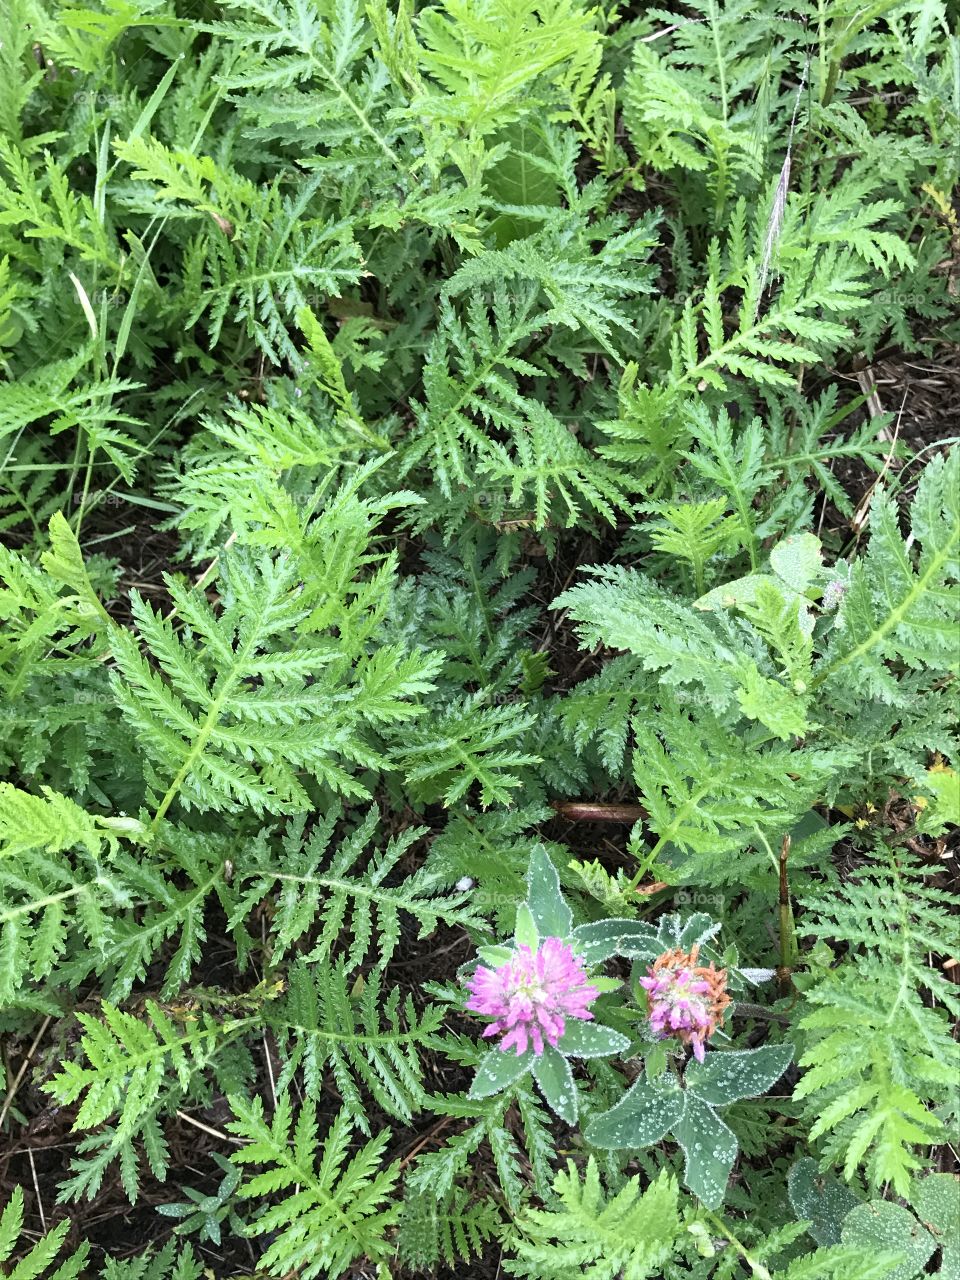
339,1207
881,1063
480,567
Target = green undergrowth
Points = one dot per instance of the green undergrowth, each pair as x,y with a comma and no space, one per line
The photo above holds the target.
440,514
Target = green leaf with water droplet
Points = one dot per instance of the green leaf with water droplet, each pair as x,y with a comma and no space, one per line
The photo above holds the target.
709,1148
936,1201
602,939
820,1199
555,1079
590,1040
548,910
881,1227
498,1071
727,1077
695,930
644,1115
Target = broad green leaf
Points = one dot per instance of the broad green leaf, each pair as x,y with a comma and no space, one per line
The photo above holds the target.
642,1116
797,561
525,931
517,179
881,1226
655,1060
820,1198
548,910
709,1148
732,594
591,1040
936,1202
602,939
729,1076
498,1071
552,1073
695,930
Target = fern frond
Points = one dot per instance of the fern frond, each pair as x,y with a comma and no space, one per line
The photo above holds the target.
337,1209
17,78
129,1059
306,77
675,126
135,1069
551,469
705,788
64,398
471,368
165,1264
167,899
283,264
236,711
262,256
630,1234
487,60
847,216
46,894
584,289
315,887
451,1231
626,610
464,745
368,1039
44,205
33,1265
762,347
880,1050
902,603
52,822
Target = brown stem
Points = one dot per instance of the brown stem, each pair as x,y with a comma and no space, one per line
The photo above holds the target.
597,811
784,971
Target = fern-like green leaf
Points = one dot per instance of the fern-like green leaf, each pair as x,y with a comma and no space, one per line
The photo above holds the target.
327,891
337,1208
33,1265
629,1234
370,1041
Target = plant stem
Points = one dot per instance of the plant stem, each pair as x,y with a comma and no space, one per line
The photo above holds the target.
787,932
757,1268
